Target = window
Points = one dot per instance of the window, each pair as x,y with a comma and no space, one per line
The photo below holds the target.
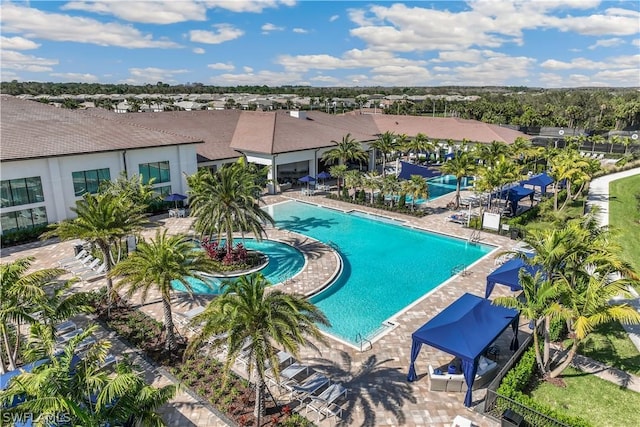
22,191
158,171
25,218
89,181
163,191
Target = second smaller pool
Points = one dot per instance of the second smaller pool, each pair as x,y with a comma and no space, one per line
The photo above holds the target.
285,262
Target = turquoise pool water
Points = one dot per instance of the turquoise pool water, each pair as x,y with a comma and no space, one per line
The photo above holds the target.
284,262
442,185
386,266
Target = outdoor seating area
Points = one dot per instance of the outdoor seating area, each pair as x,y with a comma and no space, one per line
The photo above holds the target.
459,218
177,213
453,379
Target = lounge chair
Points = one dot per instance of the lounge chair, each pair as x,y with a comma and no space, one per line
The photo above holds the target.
458,218
65,327
78,263
287,375
82,254
76,271
321,404
94,274
308,387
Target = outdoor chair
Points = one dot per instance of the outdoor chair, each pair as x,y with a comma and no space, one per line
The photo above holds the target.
65,327
82,254
288,375
307,388
78,263
76,271
324,400
88,276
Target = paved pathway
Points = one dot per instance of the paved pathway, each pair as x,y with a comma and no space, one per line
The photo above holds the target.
599,196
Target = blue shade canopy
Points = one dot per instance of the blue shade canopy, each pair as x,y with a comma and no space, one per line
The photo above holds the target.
324,175
508,274
542,180
408,169
175,197
306,178
464,329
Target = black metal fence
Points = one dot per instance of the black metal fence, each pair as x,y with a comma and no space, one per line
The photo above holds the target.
506,410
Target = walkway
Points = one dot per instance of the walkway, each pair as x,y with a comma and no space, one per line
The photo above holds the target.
599,196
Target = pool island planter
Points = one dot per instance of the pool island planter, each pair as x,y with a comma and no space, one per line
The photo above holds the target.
237,273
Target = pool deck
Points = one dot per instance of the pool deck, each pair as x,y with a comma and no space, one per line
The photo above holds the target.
379,393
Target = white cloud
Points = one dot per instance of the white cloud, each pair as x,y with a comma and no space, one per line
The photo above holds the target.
268,27
7,76
140,76
616,41
616,22
635,42
247,69
17,43
354,58
12,60
269,78
255,6
34,23
334,18
223,33
618,62
148,11
221,66
76,77
300,31
198,50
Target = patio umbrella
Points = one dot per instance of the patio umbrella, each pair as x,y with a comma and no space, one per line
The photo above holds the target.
307,179
175,197
324,175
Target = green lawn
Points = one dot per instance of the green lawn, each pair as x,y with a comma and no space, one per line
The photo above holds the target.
610,344
624,216
600,402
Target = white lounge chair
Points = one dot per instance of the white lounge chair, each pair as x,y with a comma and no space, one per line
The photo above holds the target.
94,274
76,271
80,255
65,327
287,375
321,404
308,387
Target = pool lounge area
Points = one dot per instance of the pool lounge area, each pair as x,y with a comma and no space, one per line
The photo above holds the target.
378,391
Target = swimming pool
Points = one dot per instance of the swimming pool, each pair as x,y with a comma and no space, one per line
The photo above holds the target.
445,184
386,266
285,262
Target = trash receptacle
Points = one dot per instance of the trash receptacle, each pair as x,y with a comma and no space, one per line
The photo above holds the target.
511,419
515,232
77,249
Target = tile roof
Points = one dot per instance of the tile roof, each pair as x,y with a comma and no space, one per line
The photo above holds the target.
31,129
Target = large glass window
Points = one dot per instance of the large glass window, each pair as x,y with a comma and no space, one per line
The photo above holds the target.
25,218
163,191
158,171
89,181
22,191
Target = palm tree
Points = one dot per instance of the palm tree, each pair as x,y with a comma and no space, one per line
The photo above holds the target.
460,166
416,187
338,171
103,220
493,152
20,293
346,150
228,201
418,144
390,186
352,180
539,302
155,265
372,181
385,144
79,391
248,315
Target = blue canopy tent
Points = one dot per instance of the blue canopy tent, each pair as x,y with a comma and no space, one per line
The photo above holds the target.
514,195
542,180
508,274
408,169
464,329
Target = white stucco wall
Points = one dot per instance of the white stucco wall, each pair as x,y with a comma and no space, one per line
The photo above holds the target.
56,173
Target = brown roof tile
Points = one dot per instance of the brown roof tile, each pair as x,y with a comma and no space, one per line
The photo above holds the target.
31,129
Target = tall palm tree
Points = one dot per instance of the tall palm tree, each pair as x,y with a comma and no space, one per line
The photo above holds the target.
385,144
103,219
248,315
348,149
228,201
416,187
157,263
493,152
78,391
460,166
390,186
353,180
372,181
418,144
19,294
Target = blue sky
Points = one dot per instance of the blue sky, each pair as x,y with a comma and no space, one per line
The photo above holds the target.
542,43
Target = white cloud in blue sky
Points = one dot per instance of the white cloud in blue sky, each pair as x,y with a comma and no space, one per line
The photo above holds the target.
550,43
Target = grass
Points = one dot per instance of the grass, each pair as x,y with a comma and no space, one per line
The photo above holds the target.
610,344
600,402
624,216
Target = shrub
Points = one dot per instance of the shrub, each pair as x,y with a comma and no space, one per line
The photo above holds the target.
23,235
519,379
